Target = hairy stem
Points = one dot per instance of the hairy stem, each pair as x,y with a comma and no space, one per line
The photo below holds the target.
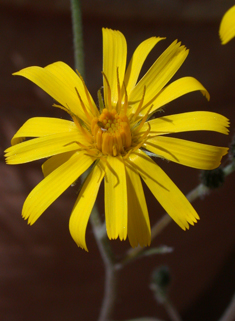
110,294
109,262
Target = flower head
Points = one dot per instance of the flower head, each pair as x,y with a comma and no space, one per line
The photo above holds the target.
115,140
227,26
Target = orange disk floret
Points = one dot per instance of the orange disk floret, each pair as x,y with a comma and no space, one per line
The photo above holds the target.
111,132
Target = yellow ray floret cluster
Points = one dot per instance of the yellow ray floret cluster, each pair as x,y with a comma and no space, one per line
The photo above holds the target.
227,26
115,140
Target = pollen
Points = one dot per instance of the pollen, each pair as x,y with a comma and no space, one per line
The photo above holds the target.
111,132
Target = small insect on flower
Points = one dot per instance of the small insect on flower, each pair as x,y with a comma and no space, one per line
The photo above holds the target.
115,140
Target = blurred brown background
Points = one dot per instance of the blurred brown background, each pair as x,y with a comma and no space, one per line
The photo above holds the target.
43,275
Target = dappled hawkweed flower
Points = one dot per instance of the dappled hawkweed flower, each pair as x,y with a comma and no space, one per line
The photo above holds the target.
227,26
115,140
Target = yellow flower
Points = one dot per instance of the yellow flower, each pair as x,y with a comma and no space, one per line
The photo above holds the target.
115,140
227,26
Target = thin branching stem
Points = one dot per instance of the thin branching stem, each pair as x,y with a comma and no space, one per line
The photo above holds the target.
197,192
109,262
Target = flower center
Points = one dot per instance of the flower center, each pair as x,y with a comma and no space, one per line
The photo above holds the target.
111,132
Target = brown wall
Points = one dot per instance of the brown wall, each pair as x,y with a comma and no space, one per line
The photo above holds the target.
43,275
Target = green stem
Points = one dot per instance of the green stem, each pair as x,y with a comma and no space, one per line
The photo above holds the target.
78,36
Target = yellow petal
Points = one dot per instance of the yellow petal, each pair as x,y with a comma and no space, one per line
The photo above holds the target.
159,74
41,147
84,204
51,187
42,126
187,153
139,231
137,61
67,75
115,198
175,90
165,191
114,60
191,121
227,26
59,81
54,162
